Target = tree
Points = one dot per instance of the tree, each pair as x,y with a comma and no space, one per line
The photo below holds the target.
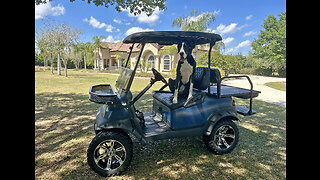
271,42
97,46
42,45
59,39
168,50
194,22
134,6
77,54
228,63
70,36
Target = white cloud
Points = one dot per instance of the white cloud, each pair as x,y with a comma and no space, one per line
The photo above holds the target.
227,41
230,29
216,12
136,29
223,29
143,18
241,45
250,33
110,39
249,17
118,21
43,10
97,24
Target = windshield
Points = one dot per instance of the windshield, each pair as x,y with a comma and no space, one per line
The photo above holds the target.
123,79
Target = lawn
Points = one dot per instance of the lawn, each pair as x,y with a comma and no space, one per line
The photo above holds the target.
277,85
64,120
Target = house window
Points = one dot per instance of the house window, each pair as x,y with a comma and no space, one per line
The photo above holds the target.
166,62
151,61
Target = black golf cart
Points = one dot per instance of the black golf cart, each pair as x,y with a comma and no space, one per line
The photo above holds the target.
209,113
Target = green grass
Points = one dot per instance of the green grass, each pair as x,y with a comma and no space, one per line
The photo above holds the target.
64,120
277,85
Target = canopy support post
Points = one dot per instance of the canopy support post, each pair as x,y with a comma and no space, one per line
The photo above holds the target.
129,55
209,59
135,68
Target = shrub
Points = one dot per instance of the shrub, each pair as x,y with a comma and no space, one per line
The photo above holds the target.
282,72
263,71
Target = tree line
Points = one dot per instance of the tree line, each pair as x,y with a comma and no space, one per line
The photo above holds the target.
57,43
60,42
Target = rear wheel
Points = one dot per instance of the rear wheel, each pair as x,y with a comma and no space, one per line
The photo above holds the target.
223,138
109,153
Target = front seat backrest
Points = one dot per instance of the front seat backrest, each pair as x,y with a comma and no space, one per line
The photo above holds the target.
201,78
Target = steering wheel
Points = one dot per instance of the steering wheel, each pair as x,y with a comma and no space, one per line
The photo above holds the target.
158,76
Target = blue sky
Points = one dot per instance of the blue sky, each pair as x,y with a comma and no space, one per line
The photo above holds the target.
237,21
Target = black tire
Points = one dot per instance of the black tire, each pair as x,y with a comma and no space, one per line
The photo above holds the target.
223,138
109,153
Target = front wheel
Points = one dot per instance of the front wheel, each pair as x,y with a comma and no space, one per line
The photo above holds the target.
109,153
223,138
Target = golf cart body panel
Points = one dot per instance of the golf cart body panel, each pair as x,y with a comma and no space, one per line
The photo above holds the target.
180,117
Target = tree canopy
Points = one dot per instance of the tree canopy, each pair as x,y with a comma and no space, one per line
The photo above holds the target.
134,6
194,22
271,42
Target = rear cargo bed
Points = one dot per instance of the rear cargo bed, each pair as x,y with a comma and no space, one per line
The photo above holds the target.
227,91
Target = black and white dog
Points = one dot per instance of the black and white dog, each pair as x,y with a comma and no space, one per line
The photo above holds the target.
183,85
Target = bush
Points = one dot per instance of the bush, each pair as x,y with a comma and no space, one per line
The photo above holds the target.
262,71
172,73
251,71
282,72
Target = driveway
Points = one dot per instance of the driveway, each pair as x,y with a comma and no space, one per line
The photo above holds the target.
267,94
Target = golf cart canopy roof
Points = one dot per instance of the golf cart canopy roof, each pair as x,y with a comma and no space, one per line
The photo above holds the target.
172,37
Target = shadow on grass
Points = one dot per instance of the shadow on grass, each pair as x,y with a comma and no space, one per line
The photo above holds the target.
64,129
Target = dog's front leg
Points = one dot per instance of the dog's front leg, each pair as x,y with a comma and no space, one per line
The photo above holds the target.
175,96
190,91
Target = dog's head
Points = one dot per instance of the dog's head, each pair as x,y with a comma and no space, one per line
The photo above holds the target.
185,48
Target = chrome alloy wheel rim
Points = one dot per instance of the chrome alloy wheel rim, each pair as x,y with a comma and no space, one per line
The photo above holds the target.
224,137
110,155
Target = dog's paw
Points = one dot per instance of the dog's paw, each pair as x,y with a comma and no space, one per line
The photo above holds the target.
174,101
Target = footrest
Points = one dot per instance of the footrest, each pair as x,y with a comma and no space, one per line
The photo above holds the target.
244,110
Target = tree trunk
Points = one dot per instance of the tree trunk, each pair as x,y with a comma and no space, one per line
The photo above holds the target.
65,67
51,64
85,61
44,62
59,64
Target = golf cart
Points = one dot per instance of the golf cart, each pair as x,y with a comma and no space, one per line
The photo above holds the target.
209,113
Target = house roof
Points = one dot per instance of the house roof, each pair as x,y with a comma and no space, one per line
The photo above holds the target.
120,47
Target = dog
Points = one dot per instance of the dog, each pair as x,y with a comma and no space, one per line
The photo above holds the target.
183,84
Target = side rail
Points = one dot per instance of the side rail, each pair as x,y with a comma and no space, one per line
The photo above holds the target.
251,89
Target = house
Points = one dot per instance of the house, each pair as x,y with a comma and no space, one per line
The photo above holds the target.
162,58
